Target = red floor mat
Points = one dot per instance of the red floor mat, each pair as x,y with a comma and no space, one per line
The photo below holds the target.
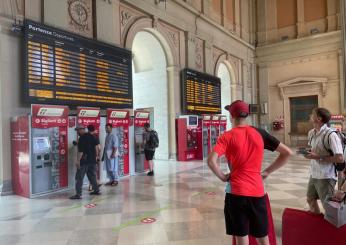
303,228
271,228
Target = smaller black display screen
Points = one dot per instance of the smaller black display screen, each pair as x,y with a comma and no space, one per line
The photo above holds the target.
201,93
193,121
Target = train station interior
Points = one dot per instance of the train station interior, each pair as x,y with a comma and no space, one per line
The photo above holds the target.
113,67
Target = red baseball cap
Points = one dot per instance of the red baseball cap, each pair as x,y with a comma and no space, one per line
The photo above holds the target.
238,109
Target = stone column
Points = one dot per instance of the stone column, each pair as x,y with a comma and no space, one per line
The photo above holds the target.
190,50
263,88
237,19
343,28
206,6
271,21
209,68
261,22
301,19
252,22
33,10
108,28
1,127
331,15
173,78
223,12
244,81
341,81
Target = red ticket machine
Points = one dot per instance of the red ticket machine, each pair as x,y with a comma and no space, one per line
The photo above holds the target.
39,150
141,117
337,122
120,120
189,138
206,123
90,116
223,124
214,130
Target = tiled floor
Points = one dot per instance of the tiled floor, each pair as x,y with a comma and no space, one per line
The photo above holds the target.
184,199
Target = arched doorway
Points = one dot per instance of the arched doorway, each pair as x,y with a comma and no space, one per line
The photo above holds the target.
226,92
150,86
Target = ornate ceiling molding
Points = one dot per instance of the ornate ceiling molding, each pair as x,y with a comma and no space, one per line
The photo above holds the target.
127,17
80,17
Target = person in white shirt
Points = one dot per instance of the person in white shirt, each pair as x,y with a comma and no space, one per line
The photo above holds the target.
110,156
322,171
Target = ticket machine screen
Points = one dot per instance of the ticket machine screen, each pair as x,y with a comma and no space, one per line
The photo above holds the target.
41,145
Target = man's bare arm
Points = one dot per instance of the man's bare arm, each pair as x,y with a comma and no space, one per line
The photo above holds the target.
212,163
284,154
338,158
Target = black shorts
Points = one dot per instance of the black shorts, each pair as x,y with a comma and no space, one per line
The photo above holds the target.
149,155
246,216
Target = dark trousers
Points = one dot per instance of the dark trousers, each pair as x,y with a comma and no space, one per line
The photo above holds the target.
90,170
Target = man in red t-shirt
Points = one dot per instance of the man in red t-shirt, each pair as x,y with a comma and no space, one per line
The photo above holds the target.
243,146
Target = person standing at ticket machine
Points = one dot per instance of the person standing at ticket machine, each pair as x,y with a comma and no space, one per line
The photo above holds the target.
151,142
88,147
110,156
91,130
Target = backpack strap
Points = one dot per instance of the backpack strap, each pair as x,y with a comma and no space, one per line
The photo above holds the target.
324,140
329,150
152,133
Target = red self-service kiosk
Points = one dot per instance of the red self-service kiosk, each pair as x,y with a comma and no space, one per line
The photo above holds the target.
214,130
223,124
120,120
39,150
337,122
206,123
141,117
212,127
189,138
90,116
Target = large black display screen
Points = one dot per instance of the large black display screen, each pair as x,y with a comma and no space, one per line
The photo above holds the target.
201,93
67,69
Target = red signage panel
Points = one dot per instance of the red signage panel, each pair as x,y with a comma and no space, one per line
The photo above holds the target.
118,117
20,155
141,118
46,116
206,120
89,116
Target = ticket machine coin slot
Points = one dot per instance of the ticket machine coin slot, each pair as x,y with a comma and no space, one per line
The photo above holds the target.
46,157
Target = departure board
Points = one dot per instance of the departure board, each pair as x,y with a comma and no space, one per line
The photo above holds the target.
201,93
67,69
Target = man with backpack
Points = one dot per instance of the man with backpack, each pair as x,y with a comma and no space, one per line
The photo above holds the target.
151,142
326,152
